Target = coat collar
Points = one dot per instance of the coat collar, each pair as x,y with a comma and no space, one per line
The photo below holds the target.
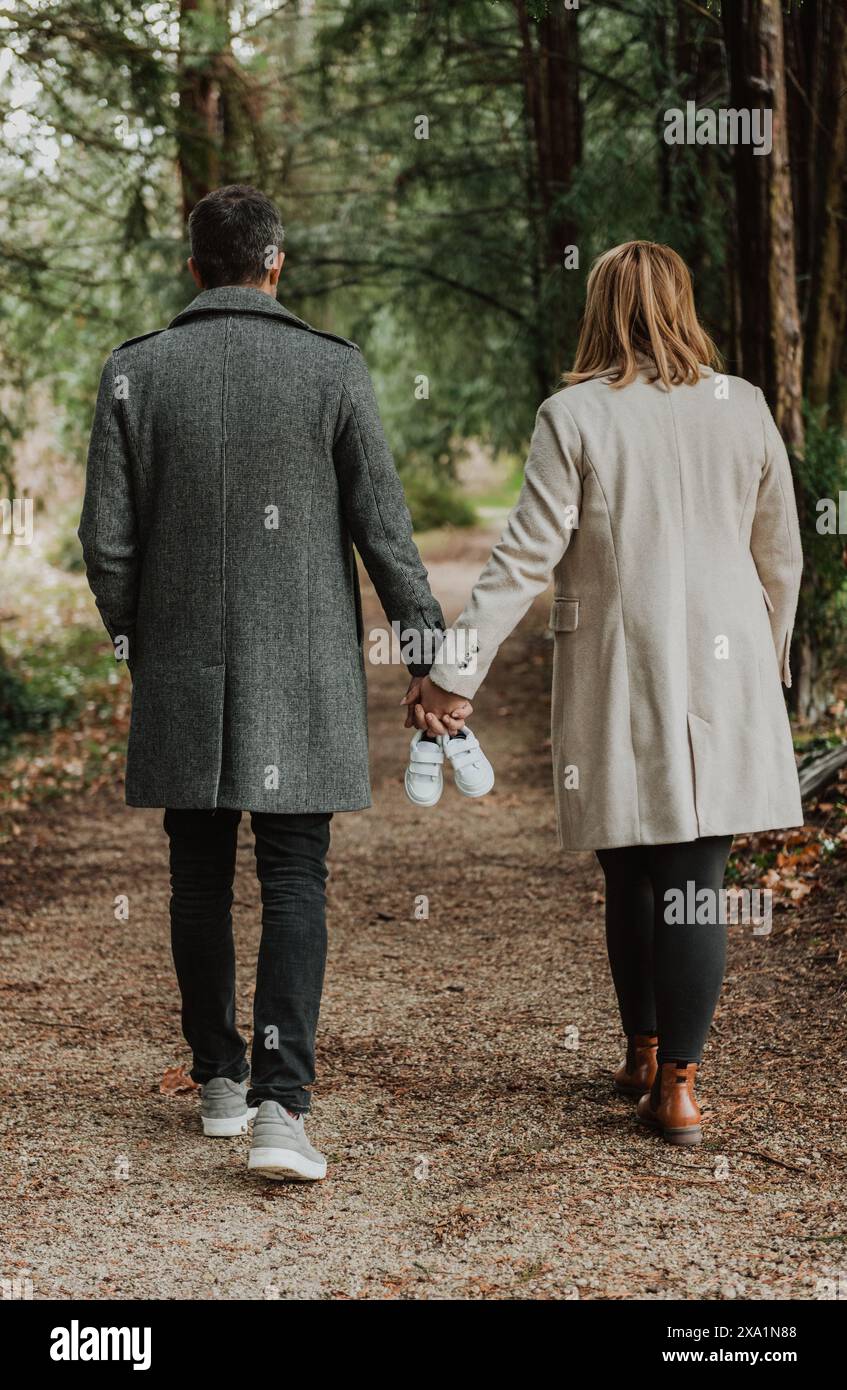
646,364
236,299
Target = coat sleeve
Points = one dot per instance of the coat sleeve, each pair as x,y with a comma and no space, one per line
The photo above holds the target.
376,513
775,539
535,538
108,527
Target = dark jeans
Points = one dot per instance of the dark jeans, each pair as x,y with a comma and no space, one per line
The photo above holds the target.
667,975
291,865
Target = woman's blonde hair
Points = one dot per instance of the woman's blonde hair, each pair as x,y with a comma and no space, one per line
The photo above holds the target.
640,304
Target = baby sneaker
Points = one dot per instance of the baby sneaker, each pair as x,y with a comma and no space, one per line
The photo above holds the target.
424,776
472,772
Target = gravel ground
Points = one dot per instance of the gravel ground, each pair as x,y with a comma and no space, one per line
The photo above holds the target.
475,1147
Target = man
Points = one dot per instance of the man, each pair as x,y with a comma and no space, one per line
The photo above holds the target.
235,455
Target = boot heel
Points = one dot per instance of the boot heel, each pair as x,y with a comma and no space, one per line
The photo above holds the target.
676,1115
648,1120
636,1074
690,1135
631,1092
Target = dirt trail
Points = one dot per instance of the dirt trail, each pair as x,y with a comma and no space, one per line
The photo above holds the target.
475,1149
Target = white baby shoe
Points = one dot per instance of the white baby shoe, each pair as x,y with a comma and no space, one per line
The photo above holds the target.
424,777
473,773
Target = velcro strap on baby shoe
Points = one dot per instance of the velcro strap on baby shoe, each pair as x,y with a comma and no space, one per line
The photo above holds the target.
426,755
464,750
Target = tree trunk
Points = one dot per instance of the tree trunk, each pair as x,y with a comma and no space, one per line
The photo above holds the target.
697,177
819,770
661,58
804,61
827,315
771,335
219,133
559,135
550,59
816,55
812,691
203,35
771,330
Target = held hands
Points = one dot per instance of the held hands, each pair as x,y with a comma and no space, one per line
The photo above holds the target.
433,709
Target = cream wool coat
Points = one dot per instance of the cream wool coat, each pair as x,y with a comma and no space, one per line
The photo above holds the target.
667,519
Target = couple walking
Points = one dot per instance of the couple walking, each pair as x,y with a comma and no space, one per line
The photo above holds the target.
236,460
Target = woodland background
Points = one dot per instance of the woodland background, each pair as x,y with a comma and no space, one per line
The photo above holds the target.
454,1038
444,257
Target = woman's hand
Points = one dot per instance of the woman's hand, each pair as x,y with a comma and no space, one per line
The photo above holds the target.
433,709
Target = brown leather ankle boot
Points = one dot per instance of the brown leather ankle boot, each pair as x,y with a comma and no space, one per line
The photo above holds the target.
637,1073
671,1105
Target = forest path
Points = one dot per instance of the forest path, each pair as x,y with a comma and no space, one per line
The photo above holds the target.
475,1146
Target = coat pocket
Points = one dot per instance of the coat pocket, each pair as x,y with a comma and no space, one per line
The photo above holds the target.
175,736
564,615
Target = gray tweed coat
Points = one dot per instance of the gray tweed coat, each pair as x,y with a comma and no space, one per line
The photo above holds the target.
235,458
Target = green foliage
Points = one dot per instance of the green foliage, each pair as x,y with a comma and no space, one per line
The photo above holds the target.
46,688
37,699
90,230
822,473
436,502
430,252
433,253
65,553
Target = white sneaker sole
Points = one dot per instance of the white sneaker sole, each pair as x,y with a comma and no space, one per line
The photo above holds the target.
431,800
282,1164
229,1127
481,790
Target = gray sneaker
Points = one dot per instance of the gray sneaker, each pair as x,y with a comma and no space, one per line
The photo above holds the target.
280,1148
223,1107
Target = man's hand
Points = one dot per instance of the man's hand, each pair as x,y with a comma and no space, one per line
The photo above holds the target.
433,709
410,699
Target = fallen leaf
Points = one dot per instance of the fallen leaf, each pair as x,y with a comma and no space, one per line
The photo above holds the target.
176,1079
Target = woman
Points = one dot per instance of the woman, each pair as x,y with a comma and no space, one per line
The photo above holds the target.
659,496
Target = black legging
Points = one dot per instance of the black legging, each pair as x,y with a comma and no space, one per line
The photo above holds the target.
667,975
